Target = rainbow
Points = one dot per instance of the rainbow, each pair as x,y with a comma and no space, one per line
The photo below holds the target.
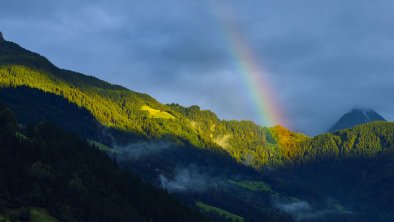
255,78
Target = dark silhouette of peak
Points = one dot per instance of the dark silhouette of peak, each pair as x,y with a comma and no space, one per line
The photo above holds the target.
356,117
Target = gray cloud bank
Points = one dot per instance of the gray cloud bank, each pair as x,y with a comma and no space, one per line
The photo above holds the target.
323,57
135,151
187,179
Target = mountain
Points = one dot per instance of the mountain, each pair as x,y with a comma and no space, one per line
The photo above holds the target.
356,117
126,115
184,150
226,169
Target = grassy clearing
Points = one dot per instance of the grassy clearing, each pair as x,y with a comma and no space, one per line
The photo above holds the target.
253,185
21,136
41,215
36,215
100,145
157,114
211,209
103,147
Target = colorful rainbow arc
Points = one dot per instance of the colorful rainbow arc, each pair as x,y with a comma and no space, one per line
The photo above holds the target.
267,107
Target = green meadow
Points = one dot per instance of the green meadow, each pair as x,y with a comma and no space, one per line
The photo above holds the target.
31,214
157,114
211,209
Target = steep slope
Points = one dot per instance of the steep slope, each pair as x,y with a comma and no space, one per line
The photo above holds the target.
122,110
47,168
112,106
125,111
32,106
246,141
354,118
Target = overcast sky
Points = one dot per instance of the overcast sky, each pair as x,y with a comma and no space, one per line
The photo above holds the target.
323,57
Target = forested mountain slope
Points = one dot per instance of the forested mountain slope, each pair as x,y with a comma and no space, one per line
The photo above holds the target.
353,166
363,140
42,167
123,110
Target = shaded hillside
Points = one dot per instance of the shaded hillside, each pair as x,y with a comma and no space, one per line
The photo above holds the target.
44,167
341,176
210,170
353,167
32,106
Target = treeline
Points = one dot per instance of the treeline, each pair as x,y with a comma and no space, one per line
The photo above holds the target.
361,141
42,166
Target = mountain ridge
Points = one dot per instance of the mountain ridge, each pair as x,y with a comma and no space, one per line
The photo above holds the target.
356,117
122,109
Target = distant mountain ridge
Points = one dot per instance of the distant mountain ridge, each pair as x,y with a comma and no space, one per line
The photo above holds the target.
356,117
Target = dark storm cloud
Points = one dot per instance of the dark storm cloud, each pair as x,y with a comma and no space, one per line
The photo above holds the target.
323,57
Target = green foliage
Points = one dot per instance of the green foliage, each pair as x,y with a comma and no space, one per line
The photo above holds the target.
245,141
363,140
127,111
116,107
31,214
73,180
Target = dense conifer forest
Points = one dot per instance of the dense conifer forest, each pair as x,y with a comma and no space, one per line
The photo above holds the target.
42,167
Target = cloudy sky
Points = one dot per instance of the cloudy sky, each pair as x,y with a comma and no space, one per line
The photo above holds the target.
322,58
